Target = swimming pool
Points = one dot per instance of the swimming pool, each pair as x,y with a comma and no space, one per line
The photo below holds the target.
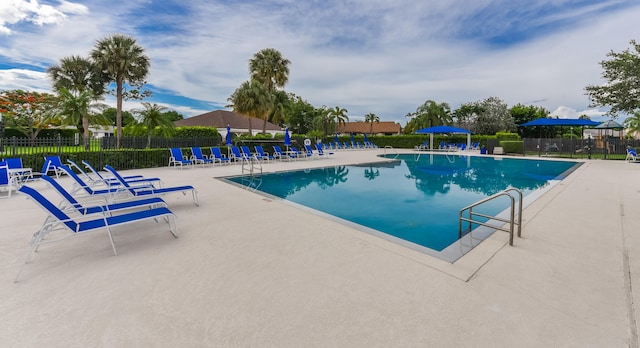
411,199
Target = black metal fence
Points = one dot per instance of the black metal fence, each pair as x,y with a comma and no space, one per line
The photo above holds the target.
601,148
104,149
16,147
132,154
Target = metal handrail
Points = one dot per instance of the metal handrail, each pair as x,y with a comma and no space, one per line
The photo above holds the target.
391,148
252,163
511,221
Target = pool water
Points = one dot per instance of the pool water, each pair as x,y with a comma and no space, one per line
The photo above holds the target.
412,198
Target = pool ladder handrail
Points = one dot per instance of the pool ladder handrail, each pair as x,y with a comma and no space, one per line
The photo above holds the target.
511,220
252,163
391,148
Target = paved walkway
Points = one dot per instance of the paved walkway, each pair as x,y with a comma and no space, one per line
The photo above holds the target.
250,271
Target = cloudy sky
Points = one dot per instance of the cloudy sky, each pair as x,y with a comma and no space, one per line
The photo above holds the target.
380,56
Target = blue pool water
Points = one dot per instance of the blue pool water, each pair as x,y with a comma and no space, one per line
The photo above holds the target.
416,198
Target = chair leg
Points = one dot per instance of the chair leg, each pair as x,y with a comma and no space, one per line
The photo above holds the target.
113,245
173,228
34,243
194,193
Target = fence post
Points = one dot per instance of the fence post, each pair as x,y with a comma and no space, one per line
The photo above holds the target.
14,145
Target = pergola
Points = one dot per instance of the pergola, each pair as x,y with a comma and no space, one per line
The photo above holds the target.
444,130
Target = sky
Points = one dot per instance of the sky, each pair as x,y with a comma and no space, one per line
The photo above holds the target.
367,56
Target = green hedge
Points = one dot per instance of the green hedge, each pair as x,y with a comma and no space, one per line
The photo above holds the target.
512,146
45,133
121,159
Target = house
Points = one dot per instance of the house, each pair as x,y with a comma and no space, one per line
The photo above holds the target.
379,128
239,124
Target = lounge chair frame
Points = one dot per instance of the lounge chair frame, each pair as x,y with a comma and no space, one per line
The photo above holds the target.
59,220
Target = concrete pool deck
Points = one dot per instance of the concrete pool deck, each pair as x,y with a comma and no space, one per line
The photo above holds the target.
252,271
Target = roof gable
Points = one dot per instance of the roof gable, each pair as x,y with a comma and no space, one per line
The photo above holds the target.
221,118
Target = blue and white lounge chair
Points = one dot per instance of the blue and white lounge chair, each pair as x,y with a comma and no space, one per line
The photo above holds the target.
178,159
52,164
18,171
7,182
151,191
81,185
298,154
217,156
111,182
60,220
321,150
198,157
237,156
277,153
70,203
131,178
632,155
309,152
246,152
261,155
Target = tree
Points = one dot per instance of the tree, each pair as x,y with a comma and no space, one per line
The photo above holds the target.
495,117
252,99
76,74
119,59
300,115
173,115
127,117
632,123
465,116
522,114
80,108
429,114
338,116
371,118
323,120
281,103
28,112
152,117
79,87
271,69
621,92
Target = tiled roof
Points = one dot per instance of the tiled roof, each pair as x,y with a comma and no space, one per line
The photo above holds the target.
365,127
221,118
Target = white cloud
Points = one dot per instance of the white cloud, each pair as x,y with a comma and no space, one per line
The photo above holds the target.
15,11
25,80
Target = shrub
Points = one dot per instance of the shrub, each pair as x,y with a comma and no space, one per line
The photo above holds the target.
512,146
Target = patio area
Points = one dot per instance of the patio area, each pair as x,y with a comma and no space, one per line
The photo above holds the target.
253,271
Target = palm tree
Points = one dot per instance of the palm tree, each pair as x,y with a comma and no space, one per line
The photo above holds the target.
371,118
323,120
76,75
339,115
269,68
429,114
120,59
80,108
281,103
153,116
251,99
632,123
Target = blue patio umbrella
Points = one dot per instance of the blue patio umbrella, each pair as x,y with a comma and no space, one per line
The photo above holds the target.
335,138
352,139
444,130
228,136
228,140
551,122
287,138
366,140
